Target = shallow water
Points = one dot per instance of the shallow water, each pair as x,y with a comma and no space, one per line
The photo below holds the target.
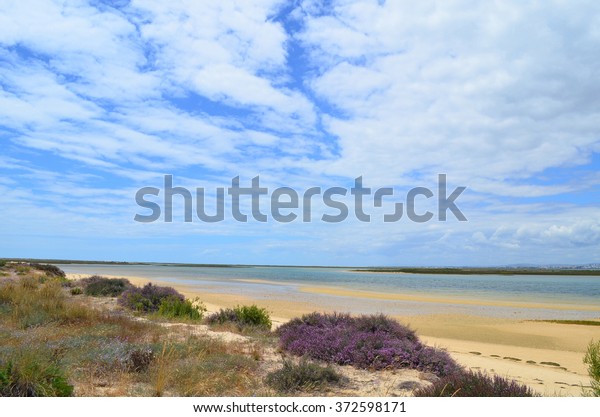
286,283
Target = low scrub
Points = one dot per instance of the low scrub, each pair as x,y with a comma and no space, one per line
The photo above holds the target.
148,298
76,291
28,302
97,286
50,270
474,384
53,344
139,359
305,375
374,342
592,360
176,308
32,374
243,317
22,269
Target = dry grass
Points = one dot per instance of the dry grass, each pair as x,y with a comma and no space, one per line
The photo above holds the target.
95,347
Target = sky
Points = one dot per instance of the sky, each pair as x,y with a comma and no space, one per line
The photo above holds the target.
101,98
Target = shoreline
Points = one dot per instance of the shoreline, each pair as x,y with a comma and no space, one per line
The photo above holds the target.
548,357
483,271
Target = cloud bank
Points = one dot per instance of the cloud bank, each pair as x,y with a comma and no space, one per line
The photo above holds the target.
100,98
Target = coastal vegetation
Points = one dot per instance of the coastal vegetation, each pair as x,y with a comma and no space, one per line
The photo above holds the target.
302,376
243,317
371,342
175,308
55,344
474,384
32,373
103,337
592,360
148,298
97,286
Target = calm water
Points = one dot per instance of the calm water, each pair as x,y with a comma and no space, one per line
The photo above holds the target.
286,281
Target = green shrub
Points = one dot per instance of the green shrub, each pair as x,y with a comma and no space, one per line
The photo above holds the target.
253,316
592,360
76,291
97,286
243,316
176,308
22,269
32,374
2,263
305,375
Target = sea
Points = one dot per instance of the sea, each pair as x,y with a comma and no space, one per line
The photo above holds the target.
510,296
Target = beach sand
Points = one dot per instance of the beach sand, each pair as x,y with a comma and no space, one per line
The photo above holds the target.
548,357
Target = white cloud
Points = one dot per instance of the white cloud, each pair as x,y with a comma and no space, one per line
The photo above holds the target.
491,94
484,92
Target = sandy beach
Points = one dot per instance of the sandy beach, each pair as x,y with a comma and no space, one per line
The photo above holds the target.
548,357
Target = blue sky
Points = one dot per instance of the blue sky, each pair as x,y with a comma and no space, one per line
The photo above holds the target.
100,98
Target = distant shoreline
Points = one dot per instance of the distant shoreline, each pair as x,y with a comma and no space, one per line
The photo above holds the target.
398,270
482,271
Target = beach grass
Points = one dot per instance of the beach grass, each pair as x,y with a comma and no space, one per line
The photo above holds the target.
592,360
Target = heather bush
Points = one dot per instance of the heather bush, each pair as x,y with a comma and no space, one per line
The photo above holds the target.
224,315
98,286
32,374
305,375
374,342
242,316
148,298
176,308
50,270
592,360
474,384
